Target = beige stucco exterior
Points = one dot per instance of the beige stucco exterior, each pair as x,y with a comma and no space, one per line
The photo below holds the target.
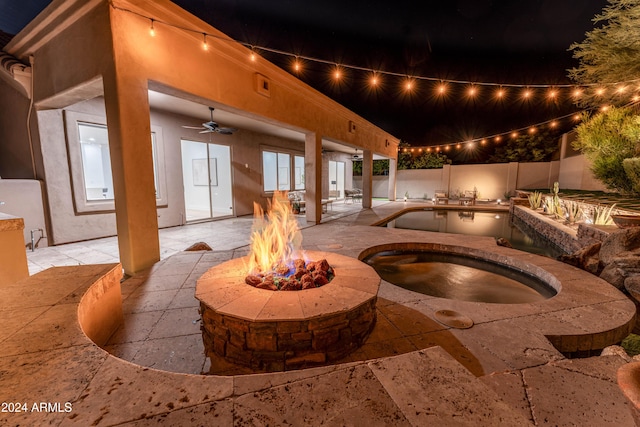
98,57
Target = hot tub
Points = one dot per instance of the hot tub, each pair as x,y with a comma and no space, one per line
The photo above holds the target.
452,273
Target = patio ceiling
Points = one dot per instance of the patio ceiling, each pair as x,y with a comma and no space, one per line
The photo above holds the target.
173,104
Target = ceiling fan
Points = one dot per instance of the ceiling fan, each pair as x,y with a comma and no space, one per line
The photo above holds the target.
212,127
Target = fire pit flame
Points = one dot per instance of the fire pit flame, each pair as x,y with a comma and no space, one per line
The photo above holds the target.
275,241
276,259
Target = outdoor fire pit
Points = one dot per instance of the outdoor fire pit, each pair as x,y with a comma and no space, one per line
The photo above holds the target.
283,308
281,330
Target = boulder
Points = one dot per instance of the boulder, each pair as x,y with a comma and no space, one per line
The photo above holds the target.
501,241
616,350
620,241
586,258
632,285
614,275
200,246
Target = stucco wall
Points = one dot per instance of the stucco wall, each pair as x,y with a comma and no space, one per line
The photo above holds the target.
68,225
15,156
535,175
491,181
23,198
575,174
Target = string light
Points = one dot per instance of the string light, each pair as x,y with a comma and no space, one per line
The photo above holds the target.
500,93
297,66
205,46
553,93
472,91
600,91
374,80
514,134
526,94
152,30
337,74
442,88
532,130
409,84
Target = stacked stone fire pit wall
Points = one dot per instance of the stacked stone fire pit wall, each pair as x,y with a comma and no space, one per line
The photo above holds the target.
278,346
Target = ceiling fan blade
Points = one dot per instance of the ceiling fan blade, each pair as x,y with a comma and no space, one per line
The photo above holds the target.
226,131
207,131
192,127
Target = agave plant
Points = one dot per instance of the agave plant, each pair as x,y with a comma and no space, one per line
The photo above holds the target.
573,211
602,215
557,208
535,200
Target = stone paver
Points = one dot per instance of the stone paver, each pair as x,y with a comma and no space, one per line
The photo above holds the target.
502,371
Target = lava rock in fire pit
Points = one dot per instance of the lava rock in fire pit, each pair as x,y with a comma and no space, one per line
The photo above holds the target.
305,276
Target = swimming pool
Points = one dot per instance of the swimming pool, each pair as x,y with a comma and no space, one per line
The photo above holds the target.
476,223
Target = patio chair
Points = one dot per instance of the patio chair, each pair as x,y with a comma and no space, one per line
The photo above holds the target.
441,197
469,198
353,195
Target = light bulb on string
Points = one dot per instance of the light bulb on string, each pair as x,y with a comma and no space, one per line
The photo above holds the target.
458,146
514,135
532,130
600,91
297,66
577,93
526,94
553,94
498,138
442,88
205,45
553,124
472,91
252,55
500,93
409,84
152,30
337,73
483,142
374,80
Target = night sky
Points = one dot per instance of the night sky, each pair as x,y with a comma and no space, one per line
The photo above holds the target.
503,42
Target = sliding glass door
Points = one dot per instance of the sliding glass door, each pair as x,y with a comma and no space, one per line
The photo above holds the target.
206,176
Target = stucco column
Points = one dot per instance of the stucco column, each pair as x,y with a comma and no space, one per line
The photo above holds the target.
367,178
313,177
392,179
127,107
446,179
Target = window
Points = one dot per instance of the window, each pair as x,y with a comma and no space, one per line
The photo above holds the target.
299,172
90,163
280,174
96,163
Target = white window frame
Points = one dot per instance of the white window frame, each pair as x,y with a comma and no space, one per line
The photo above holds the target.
82,205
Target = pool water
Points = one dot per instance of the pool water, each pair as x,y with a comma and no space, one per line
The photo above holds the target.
477,223
458,277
